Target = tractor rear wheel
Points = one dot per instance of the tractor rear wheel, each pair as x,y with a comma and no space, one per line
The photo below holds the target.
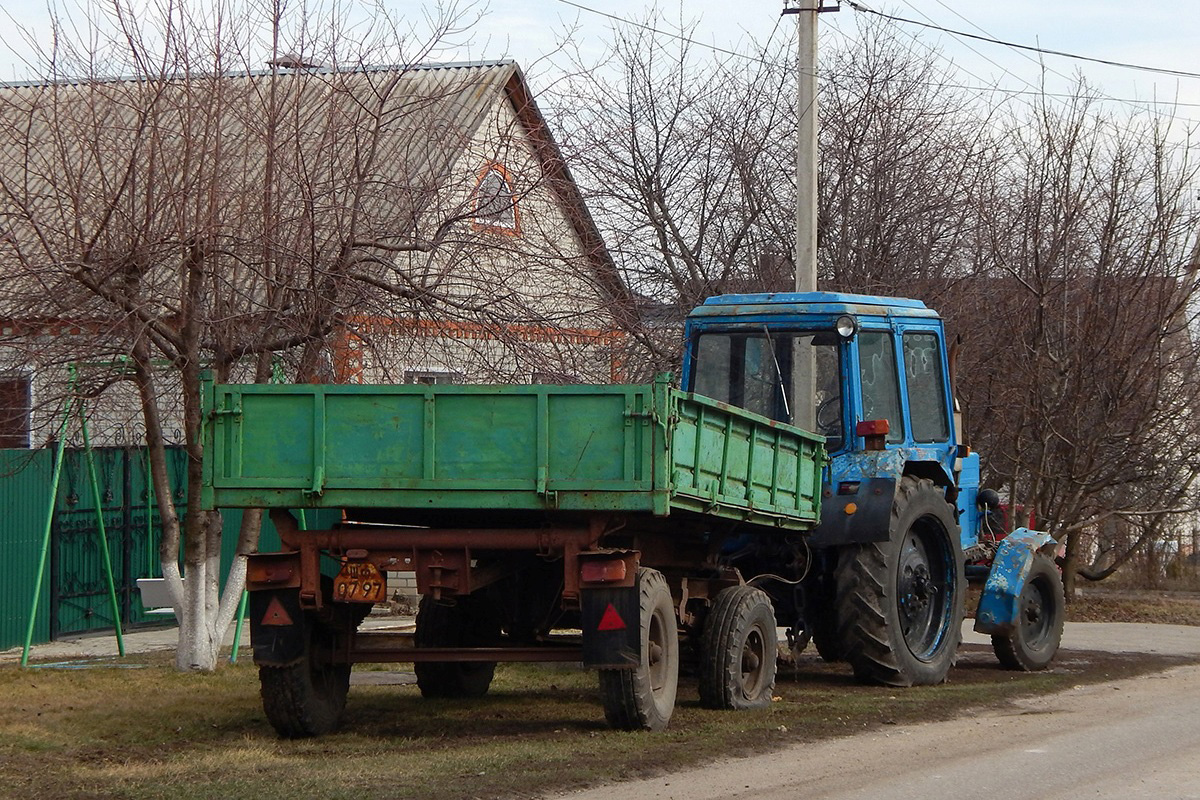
1041,610
466,622
643,698
738,650
900,601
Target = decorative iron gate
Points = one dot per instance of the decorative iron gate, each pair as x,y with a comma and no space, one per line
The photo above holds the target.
78,588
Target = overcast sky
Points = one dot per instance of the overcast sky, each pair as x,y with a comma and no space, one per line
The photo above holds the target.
1163,35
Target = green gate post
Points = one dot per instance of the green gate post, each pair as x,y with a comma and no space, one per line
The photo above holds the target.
108,573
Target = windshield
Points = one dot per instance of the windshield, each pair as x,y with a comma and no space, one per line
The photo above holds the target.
755,371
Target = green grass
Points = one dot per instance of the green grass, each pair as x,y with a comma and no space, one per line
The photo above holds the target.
106,732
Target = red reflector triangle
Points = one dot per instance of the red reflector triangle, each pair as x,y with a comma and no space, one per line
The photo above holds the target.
276,614
611,621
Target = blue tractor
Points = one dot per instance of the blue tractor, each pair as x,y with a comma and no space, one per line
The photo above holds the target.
881,583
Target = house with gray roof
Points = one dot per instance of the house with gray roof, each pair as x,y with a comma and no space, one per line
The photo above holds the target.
383,224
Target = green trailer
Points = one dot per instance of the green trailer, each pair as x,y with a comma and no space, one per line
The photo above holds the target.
526,451
524,511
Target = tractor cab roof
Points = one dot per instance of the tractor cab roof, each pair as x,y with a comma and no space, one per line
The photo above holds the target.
822,303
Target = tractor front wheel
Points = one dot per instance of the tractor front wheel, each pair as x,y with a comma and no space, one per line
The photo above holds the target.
1042,608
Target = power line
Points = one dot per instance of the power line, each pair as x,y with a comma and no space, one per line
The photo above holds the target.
1161,70
948,84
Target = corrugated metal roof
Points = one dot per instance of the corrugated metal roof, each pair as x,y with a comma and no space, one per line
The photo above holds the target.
377,142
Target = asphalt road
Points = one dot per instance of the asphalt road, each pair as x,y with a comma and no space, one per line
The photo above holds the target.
1136,738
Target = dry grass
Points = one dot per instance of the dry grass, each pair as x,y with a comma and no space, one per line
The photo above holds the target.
1097,604
107,732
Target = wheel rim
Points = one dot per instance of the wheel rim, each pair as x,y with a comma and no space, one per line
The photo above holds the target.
923,587
1035,614
753,659
655,654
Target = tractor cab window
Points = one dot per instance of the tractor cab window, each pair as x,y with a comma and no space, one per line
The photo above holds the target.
880,383
926,387
755,371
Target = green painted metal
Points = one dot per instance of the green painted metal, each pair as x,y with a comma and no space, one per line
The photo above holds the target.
45,550
101,535
24,488
74,596
636,448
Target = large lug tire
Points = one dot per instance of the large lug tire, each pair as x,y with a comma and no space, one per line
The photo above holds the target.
822,625
306,698
825,640
643,698
1042,608
900,602
467,622
738,651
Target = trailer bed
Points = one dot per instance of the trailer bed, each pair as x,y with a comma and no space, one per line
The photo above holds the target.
528,450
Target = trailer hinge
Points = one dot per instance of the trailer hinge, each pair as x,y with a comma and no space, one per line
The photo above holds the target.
644,416
236,411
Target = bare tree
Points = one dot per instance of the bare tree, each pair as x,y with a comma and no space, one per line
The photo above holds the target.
1054,238
199,214
1084,391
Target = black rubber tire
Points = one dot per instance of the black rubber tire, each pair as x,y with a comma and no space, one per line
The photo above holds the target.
900,602
825,636
821,619
306,698
644,698
738,651
467,622
1042,609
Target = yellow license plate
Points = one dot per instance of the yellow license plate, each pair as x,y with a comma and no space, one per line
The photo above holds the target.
359,582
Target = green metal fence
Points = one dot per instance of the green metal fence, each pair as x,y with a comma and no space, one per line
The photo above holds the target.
74,593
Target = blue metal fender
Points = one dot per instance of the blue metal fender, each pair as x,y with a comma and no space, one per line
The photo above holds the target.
999,605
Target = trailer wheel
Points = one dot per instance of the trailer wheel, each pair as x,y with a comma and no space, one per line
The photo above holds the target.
643,698
738,651
900,602
1042,608
306,698
468,622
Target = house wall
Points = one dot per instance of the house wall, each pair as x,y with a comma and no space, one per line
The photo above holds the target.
528,308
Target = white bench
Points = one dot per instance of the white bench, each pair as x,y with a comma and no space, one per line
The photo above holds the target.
156,597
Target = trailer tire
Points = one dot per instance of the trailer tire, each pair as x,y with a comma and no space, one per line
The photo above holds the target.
1042,609
900,601
738,651
305,698
643,698
469,622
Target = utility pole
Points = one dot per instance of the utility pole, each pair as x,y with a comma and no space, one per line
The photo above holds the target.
805,254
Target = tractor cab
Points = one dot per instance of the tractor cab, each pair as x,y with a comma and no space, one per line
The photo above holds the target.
870,374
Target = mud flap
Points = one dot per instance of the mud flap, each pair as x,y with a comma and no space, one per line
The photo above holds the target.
999,605
856,517
278,629
612,631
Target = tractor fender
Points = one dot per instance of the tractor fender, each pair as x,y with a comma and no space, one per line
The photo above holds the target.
999,604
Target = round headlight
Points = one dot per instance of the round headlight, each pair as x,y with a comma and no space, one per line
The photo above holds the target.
847,326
